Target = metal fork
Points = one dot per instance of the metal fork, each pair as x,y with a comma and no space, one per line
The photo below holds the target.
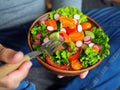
46,48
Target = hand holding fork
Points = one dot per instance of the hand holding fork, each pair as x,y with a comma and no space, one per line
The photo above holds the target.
46,48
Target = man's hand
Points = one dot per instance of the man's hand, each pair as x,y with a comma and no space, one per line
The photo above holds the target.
13,79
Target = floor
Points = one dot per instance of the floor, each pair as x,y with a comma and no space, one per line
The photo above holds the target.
43,78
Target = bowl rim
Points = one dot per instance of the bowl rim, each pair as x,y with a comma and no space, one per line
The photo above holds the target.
56,70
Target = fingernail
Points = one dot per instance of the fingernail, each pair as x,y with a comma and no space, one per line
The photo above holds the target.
83,75
18,55
28,64
60,76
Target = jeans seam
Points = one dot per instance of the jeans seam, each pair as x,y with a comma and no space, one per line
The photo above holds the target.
25,86
28,84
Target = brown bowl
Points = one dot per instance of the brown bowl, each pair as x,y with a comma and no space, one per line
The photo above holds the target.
51,68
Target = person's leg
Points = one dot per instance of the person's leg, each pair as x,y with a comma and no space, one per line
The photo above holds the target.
26,85
106,76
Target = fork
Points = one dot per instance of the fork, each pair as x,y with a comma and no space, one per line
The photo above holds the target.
46,48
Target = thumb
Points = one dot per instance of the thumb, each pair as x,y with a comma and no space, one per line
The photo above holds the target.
8,55
13,79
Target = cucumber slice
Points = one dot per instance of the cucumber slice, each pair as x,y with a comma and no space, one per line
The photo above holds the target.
91,34
54,35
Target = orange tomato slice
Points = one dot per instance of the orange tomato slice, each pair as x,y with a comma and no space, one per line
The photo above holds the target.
76,64
75,36
67,22
52,23
86,26
95,49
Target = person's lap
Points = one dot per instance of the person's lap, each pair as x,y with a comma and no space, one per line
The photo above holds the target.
107,73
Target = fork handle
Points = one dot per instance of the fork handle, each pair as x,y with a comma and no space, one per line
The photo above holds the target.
8,68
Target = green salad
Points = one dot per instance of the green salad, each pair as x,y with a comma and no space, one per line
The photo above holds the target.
84,42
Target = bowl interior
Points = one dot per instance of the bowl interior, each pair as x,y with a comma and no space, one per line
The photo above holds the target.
51,68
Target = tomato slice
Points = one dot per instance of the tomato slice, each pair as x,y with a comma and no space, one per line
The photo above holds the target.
52,23
74,57
86,26
69,30
50,62
76,64
67,22
75,36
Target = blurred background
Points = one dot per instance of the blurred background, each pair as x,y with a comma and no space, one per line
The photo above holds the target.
40,76
93,4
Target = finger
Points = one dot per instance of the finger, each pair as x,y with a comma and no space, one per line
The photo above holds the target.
22,72
60,76
16,57
83,75
13,79
10,56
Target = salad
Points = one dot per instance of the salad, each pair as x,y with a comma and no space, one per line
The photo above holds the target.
84,43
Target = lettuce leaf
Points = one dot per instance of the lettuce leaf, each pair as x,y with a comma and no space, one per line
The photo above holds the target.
89,57
102,39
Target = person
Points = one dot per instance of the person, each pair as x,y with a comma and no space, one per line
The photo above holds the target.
105,76
16,18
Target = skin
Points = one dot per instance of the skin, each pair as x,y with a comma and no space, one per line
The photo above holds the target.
82,75
12,80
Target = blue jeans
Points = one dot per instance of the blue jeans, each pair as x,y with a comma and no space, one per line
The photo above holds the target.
106,76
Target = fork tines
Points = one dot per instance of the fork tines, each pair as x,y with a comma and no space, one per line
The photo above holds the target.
51,46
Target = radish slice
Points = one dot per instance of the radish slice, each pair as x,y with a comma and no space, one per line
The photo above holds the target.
88,42
63,29
79,43
76,21
56,16
50,28
76,16
91,44
79,27
45,40
38,35
97,46
41,22
62,37
87,38
36,42
69,49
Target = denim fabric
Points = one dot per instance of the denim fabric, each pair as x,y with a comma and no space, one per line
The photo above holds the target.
26,85
107,75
